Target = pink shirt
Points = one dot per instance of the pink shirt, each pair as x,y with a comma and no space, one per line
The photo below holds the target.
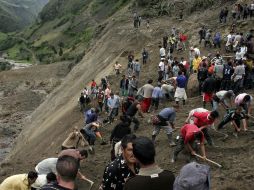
240,97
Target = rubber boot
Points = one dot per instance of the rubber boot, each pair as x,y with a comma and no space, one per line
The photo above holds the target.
170,139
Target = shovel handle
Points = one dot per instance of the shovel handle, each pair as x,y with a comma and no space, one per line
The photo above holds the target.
208,160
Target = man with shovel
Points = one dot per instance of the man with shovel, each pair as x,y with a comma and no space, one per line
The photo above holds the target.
188,135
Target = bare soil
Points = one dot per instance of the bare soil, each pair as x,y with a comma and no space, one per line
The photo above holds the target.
48,101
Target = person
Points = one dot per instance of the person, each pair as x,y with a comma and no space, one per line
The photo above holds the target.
117,67
136,68
204,120
224,98
133,86
202,75
145,56
124,85
126,103
131,112
190,118
74,140
202,34
180,93
234,116
119,131
113,105
217,40
19,181
93,86
156,97
91,131
208,90
161,69
67,170
167,90
238,77
46,166
244,101
208,37
44,179
227,75
195,63
165,120
106,97
91,115
222,15
188,135
150,176
193,176
82,102
123,167
146,92
100,99
162,52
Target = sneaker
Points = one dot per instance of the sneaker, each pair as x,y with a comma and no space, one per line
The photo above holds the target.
172,143
173,160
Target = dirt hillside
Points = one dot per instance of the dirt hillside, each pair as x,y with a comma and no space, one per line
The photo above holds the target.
49,124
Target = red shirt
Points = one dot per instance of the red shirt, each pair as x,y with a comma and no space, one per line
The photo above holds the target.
93,84
201,119
188,131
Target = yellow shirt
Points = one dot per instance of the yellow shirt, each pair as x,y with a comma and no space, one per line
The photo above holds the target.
15,182
196,62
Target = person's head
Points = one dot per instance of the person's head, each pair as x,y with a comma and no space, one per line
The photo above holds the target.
67,168
123,76
127,149
32,176
150,81
198,135
230,94
112,95
83,154
246,98
160,46
51,177
213,115
180,72
82,94
144,150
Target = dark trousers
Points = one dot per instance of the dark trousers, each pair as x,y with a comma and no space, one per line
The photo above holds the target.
135,121
227,119
113,114
226,84
180,146
207,136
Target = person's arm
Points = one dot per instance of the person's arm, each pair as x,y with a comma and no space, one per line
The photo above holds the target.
190,149
202,148
235,126
109,176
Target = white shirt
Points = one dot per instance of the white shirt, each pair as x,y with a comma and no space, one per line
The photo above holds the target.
162,66
46,166
40,181
162,52
197,51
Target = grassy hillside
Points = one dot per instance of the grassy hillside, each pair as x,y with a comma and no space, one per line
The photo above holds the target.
16,14
63,31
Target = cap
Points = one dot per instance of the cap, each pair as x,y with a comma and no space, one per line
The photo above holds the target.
204,57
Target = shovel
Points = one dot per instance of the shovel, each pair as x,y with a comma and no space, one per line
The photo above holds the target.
208,160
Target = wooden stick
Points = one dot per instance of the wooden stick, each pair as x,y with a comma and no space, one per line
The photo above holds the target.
208,160
91,183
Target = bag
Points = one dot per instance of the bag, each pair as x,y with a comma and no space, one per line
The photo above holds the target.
155,120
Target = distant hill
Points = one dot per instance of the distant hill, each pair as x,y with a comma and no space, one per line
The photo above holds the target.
16,14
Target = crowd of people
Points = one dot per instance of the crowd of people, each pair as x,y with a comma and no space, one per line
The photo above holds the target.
221,80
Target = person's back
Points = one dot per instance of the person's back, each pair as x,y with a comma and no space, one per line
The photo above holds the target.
148,90
152,181
150,176
46,166
132,110
209,85
15,182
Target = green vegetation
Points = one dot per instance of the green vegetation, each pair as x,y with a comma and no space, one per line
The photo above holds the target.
88,35
15,15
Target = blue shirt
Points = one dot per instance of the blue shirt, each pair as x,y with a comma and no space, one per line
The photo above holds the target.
168,114
181,81
90,117
157,92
